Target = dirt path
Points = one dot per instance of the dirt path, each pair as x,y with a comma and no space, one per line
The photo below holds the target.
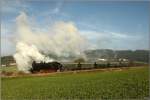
67,72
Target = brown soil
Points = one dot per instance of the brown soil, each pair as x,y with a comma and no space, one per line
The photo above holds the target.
45,73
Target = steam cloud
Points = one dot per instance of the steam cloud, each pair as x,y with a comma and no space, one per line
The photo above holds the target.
63,39
26,54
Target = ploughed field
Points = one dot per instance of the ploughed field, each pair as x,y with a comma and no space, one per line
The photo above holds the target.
132,83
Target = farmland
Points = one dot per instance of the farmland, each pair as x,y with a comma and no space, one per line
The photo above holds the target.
132,83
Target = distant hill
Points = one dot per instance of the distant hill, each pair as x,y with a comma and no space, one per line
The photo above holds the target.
137,55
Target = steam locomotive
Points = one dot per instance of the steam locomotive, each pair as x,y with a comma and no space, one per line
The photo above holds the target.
48,67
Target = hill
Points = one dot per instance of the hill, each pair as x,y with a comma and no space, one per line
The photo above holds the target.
137,55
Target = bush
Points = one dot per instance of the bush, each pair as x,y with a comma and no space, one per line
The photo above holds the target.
81,60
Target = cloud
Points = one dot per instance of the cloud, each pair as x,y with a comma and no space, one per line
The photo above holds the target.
121,35
107,34
57,8
110,40
12,6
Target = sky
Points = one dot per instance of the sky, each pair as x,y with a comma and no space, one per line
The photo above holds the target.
106,25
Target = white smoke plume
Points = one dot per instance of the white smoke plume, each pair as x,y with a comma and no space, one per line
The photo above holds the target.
62,39
26,54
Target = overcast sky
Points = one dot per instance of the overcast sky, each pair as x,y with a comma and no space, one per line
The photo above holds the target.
106,25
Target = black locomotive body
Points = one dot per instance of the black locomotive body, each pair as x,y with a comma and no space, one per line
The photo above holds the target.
48,67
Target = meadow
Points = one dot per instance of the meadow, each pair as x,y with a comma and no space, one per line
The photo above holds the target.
132,83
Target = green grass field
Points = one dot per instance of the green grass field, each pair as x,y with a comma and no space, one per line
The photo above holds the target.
127,84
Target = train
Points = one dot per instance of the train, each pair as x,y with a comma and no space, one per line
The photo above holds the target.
61,66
